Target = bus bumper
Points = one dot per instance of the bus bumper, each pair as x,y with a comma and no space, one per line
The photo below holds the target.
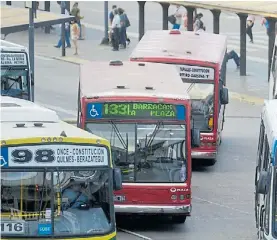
203,155
148,209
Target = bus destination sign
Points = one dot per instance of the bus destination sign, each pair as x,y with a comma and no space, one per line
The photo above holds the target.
13,59
135,110
54,155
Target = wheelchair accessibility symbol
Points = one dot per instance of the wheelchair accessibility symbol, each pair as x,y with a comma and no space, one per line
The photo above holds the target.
93,112
4,163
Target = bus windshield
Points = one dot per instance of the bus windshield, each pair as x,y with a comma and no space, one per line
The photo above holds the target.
146,152
15,82
60,203
202,104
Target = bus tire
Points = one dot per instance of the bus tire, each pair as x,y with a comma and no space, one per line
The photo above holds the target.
209,162
179,219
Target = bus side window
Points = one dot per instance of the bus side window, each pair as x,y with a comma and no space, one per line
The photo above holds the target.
260,146
267,207
266,154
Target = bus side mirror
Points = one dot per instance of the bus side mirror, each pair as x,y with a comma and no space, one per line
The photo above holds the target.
195,137
117,179
224,96
262,185
32,80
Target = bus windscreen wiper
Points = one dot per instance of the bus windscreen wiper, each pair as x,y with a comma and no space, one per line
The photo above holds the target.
118,134
153,135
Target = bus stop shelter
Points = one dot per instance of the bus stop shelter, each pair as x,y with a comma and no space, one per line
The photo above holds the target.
17,19
242,9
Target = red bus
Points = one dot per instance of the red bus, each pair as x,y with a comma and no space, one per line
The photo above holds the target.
201,61
147,120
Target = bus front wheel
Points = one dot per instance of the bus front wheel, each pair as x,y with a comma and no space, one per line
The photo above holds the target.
179,219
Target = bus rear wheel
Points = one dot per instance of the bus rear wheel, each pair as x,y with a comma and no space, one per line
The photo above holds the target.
179,219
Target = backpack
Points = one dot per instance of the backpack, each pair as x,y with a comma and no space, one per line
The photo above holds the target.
126,20
172,19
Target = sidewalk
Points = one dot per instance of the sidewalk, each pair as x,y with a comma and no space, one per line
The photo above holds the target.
89,49
250,89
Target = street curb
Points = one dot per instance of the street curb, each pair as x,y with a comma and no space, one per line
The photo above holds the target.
233,95
73,60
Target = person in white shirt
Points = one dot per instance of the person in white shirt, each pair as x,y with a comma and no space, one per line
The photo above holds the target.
115,30
250,23
179,17
67,33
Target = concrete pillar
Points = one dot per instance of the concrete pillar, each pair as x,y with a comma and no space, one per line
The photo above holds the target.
165,7
216,18
242,18
141,18
271,41
47,8
190,11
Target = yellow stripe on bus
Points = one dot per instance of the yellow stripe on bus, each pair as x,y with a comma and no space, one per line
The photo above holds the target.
36,140
106,237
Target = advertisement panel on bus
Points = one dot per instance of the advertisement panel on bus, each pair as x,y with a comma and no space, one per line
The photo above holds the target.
200,60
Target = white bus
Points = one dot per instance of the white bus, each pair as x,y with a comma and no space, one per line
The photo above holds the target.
16,76
266,174
273,74
57,180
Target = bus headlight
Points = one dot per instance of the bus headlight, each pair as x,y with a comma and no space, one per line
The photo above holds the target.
211,122
173,197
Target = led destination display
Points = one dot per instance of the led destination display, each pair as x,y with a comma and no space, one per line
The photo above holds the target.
135,110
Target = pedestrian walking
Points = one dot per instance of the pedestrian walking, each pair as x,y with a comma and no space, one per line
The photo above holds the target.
116,31
233,55
178,17
67,32
249,25
198,23
111,16
75,11
266,24
124,24
75,34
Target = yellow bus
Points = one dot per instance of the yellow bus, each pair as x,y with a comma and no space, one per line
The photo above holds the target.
57,180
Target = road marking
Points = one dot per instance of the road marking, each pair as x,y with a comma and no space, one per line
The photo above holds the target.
222,205
135,234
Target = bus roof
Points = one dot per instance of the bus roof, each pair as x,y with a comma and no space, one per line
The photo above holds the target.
19,110
101,79
16,112
269,116
205,47
9,46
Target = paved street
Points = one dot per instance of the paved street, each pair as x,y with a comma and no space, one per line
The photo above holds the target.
223,206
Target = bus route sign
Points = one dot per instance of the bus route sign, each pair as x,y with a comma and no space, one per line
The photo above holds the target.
13,59
135,110
54,155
